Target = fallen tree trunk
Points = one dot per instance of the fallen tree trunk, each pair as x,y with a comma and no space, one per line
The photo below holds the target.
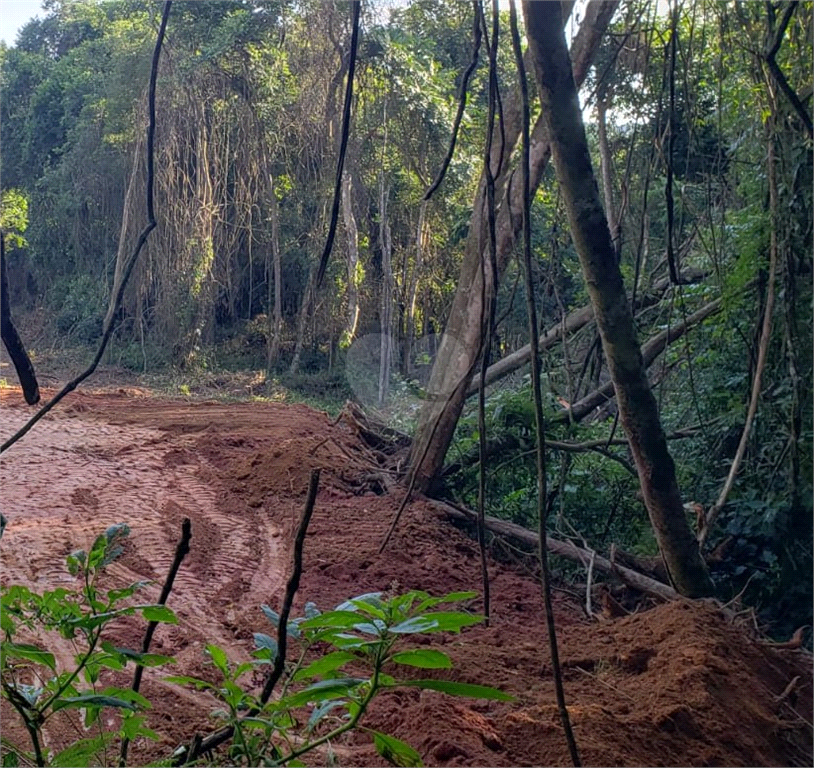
564,548
574,322
650,351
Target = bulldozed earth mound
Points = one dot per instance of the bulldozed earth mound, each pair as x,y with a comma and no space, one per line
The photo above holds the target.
678,684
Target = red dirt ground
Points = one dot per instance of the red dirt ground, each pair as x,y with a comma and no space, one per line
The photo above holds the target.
674,685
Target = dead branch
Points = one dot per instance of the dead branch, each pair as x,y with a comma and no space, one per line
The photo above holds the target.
181,552
564,548
765,334
572,323
650,351
199,746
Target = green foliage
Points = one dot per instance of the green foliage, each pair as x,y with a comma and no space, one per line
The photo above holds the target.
346,658
14,217
38,684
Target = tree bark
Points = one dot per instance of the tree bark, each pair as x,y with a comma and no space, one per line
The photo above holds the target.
567,549
606,167
386,309
589,230
302,322
352,234
275,314
14,344
462,341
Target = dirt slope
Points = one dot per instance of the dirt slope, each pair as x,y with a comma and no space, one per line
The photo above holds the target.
675,685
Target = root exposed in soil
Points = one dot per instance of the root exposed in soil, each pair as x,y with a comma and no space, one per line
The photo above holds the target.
674,685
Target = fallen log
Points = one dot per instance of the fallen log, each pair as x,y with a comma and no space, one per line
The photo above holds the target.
575,320
564,548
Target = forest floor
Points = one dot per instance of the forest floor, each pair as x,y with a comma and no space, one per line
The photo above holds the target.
677,684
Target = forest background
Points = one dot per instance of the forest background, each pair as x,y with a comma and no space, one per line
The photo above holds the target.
698,116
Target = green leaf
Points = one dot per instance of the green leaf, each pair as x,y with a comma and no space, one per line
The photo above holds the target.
366,602
92,700
321,712
323,690
351,642
158,613
459,689
114,595
396,751
274,617
424,658
439,621
452,597
83,752
11,759
328,663
130,726
187,680
271,615
128,694
219,658
337,619
145,659
376,628
6,623
31,653
31,693
264,642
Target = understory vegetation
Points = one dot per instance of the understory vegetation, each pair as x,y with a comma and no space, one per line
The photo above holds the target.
699,124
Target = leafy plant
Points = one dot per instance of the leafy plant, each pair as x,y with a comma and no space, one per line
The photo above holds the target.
359,644
38,684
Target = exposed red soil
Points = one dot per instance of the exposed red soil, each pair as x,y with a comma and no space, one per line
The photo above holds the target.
674,685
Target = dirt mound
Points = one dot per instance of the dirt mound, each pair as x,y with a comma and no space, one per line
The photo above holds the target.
675,685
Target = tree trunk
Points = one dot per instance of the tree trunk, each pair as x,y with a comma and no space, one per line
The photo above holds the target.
386,311
606,167
302,322
649,352
352,233
14,345
462,340
412,292
589,229
275,311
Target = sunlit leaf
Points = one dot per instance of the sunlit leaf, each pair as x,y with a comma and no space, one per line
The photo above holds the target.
426,658
460,689
158,613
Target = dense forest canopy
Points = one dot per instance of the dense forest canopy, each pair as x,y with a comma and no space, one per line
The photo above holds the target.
698,116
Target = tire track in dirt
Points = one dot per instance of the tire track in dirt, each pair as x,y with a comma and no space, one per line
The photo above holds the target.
73,476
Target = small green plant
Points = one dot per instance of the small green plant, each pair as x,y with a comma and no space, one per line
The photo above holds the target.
359,647
38,685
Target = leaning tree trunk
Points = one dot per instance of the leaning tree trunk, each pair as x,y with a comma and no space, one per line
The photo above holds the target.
11,339
589,230
463,337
